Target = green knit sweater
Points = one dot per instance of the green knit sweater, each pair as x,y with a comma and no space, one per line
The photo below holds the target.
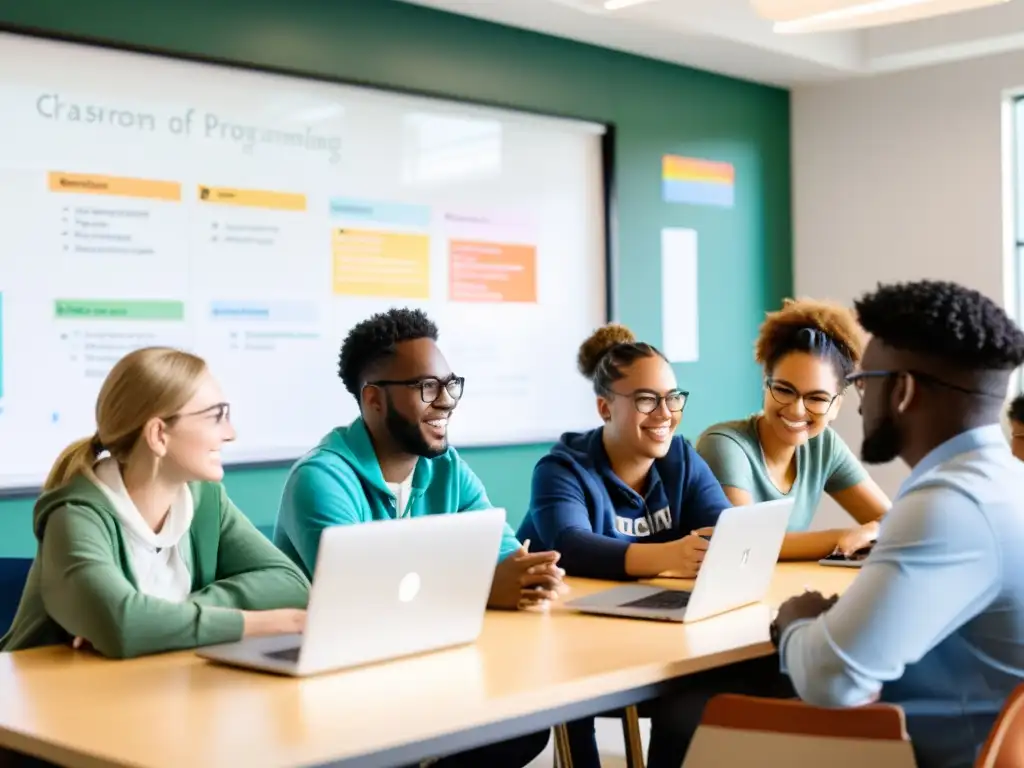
81,583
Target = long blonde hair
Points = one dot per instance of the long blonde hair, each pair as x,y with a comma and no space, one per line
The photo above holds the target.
147,383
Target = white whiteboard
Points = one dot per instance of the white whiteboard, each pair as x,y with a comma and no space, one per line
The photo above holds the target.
324,203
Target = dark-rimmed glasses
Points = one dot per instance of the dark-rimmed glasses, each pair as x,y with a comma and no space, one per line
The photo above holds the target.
648,401
815,403
859,381
430,387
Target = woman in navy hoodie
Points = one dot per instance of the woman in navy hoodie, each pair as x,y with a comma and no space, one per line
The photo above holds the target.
630,499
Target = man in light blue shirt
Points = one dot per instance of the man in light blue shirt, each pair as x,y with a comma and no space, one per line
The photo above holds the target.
934,621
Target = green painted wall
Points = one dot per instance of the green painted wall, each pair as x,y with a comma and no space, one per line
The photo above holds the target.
745,258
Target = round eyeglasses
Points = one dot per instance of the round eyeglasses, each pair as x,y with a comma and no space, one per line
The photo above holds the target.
430,387
646,401
815,403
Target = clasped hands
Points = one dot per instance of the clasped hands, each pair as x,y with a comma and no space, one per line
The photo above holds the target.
527,580
809,605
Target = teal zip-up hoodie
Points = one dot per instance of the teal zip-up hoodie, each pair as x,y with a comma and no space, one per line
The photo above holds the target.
340,483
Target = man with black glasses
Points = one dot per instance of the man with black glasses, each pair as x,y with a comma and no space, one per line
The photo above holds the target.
935,620
394,461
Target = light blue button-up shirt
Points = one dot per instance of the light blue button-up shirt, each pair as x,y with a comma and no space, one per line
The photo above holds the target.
935,619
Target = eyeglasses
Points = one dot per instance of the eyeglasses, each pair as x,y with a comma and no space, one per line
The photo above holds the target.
429,386
859,380
816,403
220,412
646,401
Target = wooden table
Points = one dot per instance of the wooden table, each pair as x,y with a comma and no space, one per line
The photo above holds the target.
528,671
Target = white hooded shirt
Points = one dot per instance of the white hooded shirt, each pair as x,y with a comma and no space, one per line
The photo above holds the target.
159,560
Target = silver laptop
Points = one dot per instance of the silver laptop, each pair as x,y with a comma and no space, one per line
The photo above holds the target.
737,571
383,590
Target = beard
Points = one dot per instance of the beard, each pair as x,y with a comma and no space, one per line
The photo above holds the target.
408,436
883,444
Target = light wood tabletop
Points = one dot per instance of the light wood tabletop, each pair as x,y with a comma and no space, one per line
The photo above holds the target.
526,672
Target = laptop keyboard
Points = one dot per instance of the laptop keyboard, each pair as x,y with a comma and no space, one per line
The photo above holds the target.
285,654
668,599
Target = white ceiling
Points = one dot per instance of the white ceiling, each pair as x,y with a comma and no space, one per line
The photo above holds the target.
726,36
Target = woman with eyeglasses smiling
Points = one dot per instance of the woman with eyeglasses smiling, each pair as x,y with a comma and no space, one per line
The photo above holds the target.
788,450
140,550
630,499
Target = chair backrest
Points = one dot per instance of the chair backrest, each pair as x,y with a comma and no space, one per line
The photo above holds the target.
1005,745
745,730
13,573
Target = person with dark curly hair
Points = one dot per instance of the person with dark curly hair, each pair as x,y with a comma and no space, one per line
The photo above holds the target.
788,450
394,461
1015,414
630,499
934,621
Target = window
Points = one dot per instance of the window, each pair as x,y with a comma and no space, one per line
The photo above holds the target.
1016,166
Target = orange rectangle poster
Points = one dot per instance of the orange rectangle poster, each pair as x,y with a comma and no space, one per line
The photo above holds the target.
121,186
494,272
377,263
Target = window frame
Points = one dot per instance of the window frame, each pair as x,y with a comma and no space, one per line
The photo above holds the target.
1015,171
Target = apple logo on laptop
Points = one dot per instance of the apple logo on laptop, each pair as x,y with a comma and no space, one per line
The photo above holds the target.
409,587
744,557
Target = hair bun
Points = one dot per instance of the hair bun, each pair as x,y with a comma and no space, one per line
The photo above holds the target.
600,341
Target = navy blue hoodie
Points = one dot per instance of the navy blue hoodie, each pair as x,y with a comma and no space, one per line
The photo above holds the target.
580,507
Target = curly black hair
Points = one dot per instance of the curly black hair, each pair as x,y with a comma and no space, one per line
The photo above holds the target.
943,320
374,340
1016,409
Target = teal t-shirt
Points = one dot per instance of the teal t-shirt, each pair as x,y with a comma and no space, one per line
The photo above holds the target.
824,464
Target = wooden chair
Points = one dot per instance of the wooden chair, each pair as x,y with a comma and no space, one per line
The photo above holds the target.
746,730
630,732
1004,747
804,735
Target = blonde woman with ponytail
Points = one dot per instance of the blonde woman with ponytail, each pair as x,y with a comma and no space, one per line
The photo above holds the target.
140,550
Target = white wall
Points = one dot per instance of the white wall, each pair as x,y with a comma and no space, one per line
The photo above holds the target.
900,177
